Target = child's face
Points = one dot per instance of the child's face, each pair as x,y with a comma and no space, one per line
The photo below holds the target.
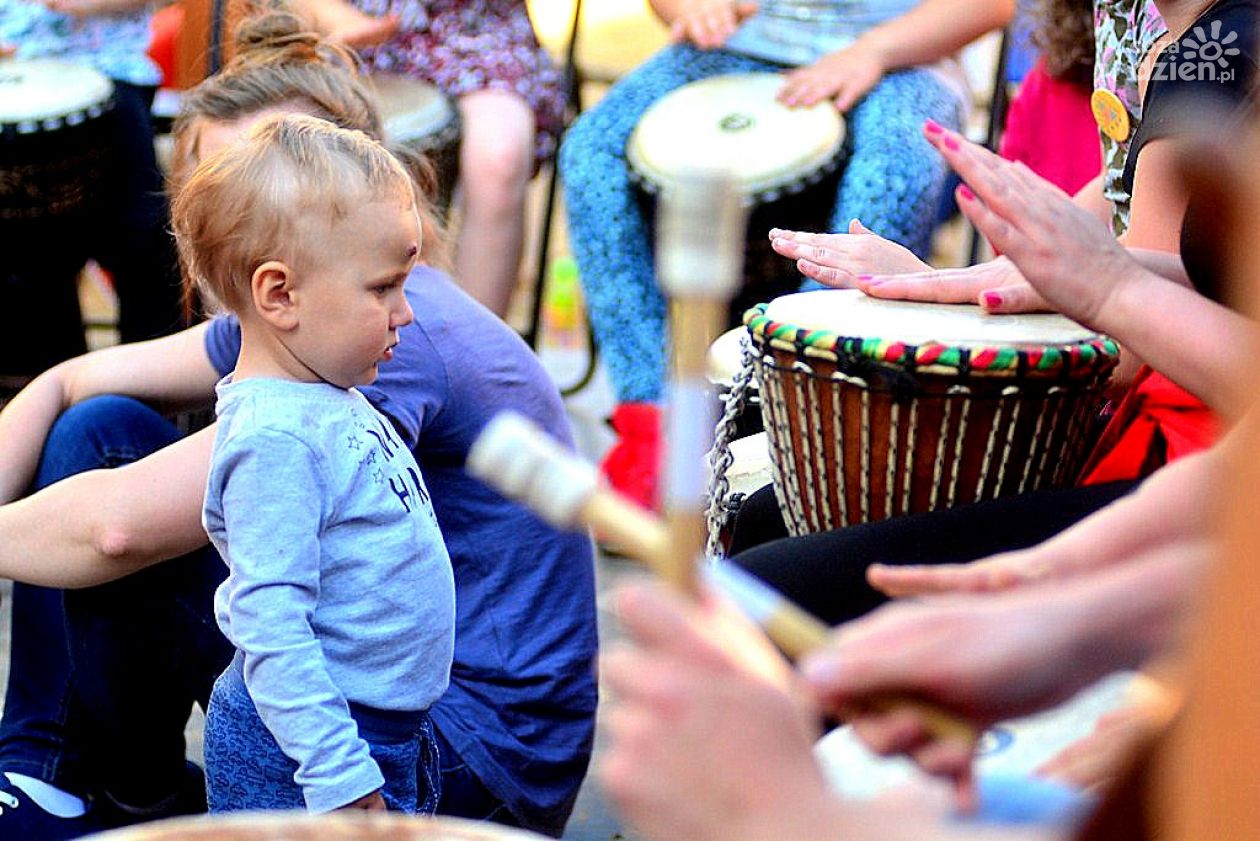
349,290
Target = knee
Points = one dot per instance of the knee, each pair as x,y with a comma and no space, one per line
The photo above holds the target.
103,431
497,167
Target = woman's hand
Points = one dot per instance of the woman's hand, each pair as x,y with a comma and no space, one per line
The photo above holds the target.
844,77
997,286
1065,253
708,23
842,260
1000,572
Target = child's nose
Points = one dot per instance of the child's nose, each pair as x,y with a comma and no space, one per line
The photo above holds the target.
403,314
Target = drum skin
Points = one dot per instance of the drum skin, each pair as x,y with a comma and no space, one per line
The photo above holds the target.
789,162
865,428
299,826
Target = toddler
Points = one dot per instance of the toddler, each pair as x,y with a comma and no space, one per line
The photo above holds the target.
339,597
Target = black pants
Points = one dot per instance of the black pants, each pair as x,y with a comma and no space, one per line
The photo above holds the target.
825,573
123,227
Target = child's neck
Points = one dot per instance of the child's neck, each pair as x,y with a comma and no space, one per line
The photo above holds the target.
265,354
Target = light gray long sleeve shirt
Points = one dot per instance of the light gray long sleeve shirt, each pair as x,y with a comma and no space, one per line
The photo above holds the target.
339,586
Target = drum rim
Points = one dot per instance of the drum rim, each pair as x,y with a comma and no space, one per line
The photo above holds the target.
1081,359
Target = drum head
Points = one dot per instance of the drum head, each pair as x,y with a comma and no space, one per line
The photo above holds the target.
41,94
849,312
733,122
299,826
415,112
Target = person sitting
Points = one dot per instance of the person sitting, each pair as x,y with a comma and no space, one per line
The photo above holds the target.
511,100
884,66
93,667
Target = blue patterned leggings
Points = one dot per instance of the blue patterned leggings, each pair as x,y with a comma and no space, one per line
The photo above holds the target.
246,769
892,181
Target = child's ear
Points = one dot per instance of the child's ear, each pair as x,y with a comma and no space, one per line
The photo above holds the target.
272,287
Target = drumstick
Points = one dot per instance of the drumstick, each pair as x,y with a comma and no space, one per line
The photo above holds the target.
700,250
513,455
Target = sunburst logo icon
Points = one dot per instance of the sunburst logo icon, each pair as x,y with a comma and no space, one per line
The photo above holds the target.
1209,46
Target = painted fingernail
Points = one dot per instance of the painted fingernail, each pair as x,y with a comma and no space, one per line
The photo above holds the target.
951,143
965,193
932,127
992,300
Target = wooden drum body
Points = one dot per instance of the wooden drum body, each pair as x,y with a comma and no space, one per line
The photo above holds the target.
53,118
880,408
788,161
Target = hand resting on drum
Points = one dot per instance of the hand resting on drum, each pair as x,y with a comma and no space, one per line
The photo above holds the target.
1074,263
705,23
839,260
843,76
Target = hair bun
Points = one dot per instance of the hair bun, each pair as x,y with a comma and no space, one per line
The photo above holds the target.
272,33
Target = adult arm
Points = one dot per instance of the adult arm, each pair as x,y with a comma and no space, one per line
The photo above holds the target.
101,525
926,33
995,656
1175,504
1053,242
172,372
706,746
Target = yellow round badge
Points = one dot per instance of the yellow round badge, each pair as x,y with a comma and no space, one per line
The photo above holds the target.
1111,114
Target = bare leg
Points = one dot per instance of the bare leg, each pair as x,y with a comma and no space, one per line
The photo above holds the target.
495,162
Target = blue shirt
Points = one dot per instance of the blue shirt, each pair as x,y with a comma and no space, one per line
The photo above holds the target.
339,587
520,709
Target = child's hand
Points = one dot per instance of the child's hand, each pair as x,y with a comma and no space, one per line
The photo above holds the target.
369,802
844,77
708,23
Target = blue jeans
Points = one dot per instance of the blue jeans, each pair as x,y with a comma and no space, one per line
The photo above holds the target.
103,679
247,769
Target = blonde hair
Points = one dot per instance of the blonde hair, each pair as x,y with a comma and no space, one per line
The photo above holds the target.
242,206
279,62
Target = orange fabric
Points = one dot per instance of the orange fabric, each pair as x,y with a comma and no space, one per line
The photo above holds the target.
1156,413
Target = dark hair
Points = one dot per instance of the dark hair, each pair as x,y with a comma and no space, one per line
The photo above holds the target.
1063,30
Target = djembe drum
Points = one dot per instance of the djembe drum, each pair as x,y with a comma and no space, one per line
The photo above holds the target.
879,408
52,152
423,119
55,121
299,826
787,161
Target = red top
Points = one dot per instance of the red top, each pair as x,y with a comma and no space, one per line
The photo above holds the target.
1051,129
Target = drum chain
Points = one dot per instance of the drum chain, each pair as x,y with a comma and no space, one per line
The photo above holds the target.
720,458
